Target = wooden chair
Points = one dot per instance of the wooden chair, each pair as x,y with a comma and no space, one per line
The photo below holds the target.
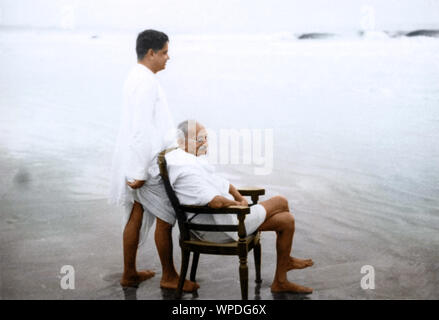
188,244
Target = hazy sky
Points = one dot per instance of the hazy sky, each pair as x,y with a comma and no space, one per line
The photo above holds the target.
209,16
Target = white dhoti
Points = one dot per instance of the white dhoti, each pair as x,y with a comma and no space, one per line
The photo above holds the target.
155,202
252,222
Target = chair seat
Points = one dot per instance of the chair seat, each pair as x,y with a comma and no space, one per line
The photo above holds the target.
228,248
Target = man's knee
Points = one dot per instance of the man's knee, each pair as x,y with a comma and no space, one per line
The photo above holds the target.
163,225
136,214
289,222
282,203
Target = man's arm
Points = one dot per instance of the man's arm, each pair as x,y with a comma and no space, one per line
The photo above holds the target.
221,202
237,196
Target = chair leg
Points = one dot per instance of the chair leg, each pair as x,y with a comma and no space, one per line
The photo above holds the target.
194,265
185,255
257,256
243,277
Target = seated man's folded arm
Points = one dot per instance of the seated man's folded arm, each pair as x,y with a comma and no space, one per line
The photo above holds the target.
221,202
237,196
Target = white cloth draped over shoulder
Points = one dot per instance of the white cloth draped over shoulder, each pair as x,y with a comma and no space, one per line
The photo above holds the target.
147,127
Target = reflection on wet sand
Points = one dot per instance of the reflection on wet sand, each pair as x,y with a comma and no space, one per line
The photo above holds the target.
130,293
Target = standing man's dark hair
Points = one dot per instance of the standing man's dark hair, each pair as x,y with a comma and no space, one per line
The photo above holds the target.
150,39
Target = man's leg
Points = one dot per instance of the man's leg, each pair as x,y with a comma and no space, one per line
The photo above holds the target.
163,241
131,277
279,219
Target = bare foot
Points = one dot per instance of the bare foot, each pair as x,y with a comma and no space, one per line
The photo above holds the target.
136,279
296,263
289,287
188,286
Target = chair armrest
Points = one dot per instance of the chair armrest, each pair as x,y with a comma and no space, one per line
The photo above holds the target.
209,210
251,191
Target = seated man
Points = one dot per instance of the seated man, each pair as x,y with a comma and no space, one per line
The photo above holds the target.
195,183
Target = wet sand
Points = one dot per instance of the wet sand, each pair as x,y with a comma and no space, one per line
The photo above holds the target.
43,229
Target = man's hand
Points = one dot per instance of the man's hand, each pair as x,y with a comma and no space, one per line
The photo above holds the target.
243,202
240,200
136,184
222,202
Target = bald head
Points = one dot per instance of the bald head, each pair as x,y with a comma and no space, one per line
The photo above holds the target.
192,137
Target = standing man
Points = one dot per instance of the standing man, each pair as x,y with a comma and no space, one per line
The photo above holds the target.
147,127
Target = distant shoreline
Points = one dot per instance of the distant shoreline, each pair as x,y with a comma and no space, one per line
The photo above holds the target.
282,35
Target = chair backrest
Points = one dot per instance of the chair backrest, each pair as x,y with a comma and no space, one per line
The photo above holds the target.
181,215
183,223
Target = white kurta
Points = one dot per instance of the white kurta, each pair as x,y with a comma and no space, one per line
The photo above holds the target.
147,127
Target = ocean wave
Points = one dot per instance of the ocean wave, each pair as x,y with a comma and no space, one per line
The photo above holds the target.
423,32
372,34
285,35
315,35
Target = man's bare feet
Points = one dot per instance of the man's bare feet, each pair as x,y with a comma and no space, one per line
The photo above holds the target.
289,287
296,263
188,286
135,279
